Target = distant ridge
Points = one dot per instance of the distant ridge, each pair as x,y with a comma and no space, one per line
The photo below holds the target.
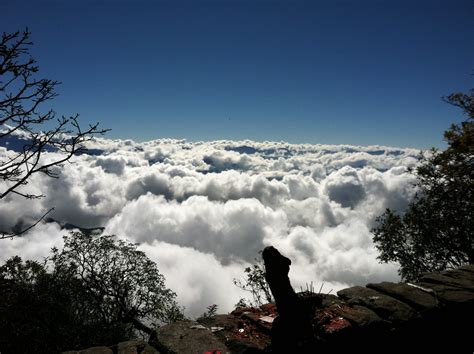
89,231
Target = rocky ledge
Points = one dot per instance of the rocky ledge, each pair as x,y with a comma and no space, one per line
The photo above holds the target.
386,317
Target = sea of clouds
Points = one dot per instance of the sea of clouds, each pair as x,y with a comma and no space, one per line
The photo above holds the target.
203,210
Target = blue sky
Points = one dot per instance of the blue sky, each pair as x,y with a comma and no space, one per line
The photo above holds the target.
354,72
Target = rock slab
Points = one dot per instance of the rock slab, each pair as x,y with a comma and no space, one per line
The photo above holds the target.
186,337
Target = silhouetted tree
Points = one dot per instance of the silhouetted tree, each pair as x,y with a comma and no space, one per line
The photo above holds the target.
21,97
96,291
47,312
123,284
436,231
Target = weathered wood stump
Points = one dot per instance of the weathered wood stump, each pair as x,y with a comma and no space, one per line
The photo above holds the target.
292,330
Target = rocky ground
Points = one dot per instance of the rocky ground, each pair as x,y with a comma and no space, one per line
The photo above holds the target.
382,317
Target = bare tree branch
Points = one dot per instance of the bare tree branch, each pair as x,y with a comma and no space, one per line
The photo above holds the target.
4,235
21,96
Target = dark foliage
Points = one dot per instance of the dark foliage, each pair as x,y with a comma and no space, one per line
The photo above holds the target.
96,291
210,312
436,232
256,284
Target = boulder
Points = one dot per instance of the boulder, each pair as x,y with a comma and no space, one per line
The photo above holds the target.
457,279
244,346
358,316
240,330
188,337
468,268
384,306
328,323
413,296
449,294
136,347
328,300
92,350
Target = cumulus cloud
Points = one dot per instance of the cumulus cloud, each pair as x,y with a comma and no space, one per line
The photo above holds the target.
222,160
232,231
203,210
155,183
111,164
344,187
198,278
36,244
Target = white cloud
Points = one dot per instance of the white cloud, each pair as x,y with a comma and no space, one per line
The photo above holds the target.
155,183
198,278
234,230
35,244
344,187
203,210
111,164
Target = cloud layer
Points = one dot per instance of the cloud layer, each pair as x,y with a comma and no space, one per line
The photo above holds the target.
203,210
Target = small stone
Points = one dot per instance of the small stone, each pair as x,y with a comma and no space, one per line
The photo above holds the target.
217,329
198,326
267,319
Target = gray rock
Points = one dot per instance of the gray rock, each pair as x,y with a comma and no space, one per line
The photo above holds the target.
384,306
244,346
227,323
329,299
419,299
468,268
136,347
466,272
456,279
450,294
179,338
96,350
359,316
